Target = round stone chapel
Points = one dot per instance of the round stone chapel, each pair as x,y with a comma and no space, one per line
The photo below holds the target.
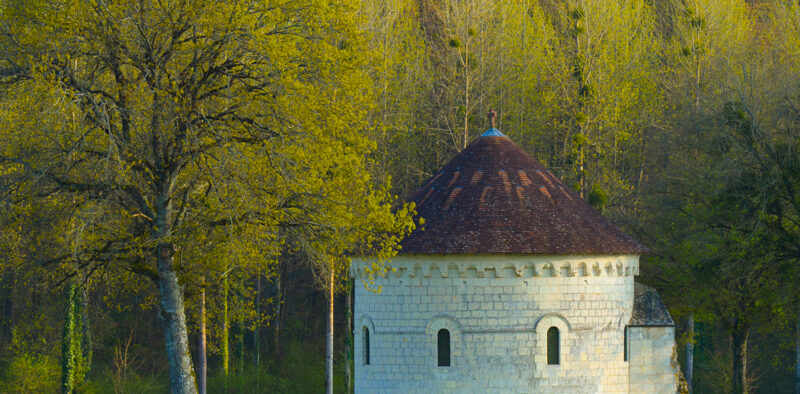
513,284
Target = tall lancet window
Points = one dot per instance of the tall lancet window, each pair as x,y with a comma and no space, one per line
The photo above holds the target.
366,346
552,346
443,342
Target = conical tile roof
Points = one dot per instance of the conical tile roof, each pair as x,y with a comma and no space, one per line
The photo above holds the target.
494,198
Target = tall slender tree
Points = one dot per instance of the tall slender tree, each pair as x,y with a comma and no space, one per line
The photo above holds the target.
172,101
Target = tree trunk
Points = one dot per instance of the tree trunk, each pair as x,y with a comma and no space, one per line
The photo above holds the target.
466,96
240,334
581,172
173,322
256,329
225,331
68,351
239,338
201,346
797,354
86,337
348,342
329,337
581,130
276,329
257,326
690,352
739,343
8,306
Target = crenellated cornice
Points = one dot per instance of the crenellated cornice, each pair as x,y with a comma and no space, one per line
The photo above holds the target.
498,267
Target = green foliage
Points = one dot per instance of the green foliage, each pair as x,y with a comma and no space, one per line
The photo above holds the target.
75,358
597,197
70,340
134,384
30,373
284,132
189,131
301,370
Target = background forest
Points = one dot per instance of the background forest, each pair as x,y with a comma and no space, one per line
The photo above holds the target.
187,179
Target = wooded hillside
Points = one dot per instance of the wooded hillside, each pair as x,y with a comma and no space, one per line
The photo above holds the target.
181,183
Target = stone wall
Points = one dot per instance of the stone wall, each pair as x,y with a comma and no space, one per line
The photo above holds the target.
650,355
498,310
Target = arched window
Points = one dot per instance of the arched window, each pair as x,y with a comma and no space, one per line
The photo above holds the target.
443,341
366,345
552,346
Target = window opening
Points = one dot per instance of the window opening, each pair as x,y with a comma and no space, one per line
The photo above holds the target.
366,346
625,344
552,346
443,341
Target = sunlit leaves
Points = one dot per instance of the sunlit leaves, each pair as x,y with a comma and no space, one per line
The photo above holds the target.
225,134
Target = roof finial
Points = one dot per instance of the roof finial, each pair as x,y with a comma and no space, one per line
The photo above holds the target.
492,132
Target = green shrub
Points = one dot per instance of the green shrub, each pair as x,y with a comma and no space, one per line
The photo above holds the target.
251,381
28,373
110,382
300,370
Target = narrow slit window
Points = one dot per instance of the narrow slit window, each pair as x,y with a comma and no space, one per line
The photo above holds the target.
443,341
552,346
366,346
625,344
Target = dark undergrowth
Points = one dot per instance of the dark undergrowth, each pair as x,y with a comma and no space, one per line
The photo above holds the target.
300,370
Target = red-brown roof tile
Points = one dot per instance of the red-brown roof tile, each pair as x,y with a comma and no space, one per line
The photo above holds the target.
494,198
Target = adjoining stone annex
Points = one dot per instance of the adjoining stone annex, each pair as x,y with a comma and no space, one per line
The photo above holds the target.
515,284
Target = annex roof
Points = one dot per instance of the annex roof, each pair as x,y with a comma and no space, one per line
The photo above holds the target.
648,310
494,198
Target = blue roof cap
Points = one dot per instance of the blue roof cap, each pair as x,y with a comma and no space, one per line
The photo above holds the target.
492,132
